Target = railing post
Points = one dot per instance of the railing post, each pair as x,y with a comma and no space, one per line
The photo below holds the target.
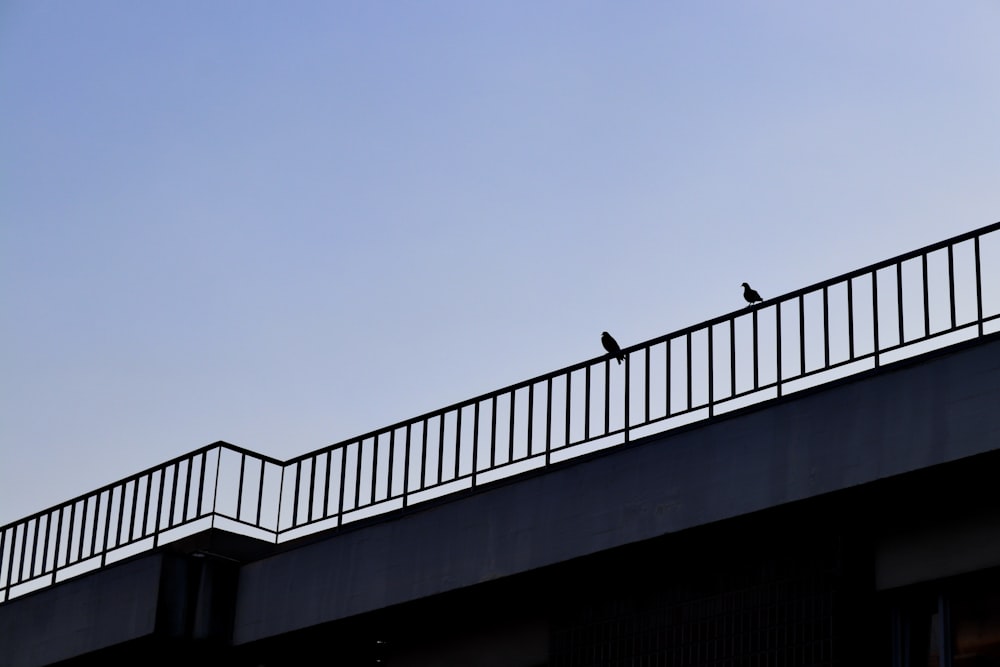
875,348
777,339
979,288
711,369
3,542
475,444
628,382
548,421
281,497
215,486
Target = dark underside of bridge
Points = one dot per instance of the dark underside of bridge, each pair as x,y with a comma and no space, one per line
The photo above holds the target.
897,567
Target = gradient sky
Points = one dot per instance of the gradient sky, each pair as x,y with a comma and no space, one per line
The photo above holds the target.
282,224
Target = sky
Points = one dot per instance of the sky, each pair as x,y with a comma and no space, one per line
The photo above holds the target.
286,224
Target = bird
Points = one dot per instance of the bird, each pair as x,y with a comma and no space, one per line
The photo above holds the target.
612,346
750,294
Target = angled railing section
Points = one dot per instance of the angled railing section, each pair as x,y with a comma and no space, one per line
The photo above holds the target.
138,513
926,299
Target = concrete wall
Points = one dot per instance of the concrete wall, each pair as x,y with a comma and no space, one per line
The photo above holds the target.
82,615
901,419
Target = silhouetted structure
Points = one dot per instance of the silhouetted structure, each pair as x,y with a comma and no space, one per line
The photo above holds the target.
837,511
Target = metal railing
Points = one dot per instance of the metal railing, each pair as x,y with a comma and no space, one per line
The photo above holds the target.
901,307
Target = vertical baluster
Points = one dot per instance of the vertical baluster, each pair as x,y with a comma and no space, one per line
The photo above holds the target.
342,492
121,514
756,358
645,385
55,549
201,485
3,543
15,545
899,300
187,488
493,431
711,370
159,506
45,543
875,316
548,421
357,472
475,441
586,401
24,552
688,341
826,328
732,356
34,547
83,528
531,419
458,436
390,464
295,494
440,456
135,504
979,286
951,284
69,534
239,484
777,344
326,485
423,454
260,494
107,524
569,387
312,487
510,427
607,400
173,495
802,335
666,371
282,473
10,561
145,505
215,485
628,401
96,523
850,319
927,303
375,458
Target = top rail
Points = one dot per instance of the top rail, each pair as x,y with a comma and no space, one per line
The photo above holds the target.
921,300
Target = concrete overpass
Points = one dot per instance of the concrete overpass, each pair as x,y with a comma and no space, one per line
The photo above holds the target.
757,489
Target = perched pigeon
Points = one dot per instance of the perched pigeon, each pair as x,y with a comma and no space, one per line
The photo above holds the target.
750,294
611,345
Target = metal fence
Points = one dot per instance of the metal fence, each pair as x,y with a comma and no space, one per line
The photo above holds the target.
926,299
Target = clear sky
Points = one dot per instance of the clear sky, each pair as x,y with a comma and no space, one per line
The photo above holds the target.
282,224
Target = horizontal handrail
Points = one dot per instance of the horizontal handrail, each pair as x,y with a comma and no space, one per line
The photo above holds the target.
929,297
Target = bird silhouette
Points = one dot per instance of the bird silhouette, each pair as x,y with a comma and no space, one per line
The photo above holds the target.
750,294
612,346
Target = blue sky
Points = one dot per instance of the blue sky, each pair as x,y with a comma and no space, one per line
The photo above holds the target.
284,224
